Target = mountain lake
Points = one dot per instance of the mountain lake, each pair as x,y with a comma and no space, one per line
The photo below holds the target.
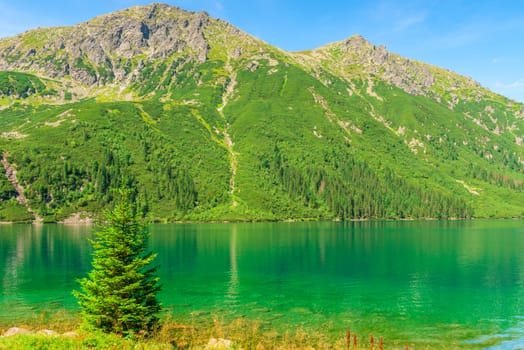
446,284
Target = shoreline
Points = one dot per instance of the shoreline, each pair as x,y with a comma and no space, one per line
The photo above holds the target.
210,332
88,221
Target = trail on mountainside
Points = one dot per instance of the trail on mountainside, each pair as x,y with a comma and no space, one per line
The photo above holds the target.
233,156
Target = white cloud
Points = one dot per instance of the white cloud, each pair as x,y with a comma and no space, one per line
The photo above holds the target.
519,84
401,24
398,17
513,90
219,5
462,37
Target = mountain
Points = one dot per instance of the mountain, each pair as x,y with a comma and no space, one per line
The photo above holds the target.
210,123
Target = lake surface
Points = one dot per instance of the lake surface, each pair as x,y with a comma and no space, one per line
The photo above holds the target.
457,284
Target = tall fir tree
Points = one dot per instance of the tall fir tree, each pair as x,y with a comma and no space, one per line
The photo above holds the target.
119,294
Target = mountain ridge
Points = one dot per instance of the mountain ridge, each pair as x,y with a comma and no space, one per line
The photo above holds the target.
143,13
211,123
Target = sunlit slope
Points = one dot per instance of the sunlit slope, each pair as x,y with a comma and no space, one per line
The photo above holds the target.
210,123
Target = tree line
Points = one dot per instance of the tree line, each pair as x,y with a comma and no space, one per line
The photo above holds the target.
355,191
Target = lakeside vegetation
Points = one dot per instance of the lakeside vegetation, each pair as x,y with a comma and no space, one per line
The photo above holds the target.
119,294
202,333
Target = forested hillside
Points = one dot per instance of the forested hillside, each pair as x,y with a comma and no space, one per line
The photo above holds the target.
210,124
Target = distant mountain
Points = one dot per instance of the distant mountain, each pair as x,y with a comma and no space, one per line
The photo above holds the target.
210,123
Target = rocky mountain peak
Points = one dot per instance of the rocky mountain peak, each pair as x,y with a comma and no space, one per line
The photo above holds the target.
372,60
114,48
356,57
106,48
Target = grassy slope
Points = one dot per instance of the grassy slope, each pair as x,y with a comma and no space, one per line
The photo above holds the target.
272,107
299,139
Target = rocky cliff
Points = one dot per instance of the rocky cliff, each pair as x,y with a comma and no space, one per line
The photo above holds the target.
109,48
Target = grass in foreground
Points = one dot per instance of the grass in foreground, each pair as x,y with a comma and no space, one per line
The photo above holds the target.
202,334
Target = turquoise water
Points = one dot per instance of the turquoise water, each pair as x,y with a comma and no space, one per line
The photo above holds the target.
456,284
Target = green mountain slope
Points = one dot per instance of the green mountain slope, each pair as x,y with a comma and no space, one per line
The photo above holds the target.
212,124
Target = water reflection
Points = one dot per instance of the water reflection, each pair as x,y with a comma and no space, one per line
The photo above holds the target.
452,280
509,339
38,261
232,291
13,263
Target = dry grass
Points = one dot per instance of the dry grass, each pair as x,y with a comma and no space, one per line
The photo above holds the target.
201,333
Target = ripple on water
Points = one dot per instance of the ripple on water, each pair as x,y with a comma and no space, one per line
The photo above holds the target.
511,339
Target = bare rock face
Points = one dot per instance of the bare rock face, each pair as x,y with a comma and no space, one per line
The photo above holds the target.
407,75
416,78
101,50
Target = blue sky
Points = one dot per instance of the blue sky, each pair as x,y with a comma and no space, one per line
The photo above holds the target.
477,38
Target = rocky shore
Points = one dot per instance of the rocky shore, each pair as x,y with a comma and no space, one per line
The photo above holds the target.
23,331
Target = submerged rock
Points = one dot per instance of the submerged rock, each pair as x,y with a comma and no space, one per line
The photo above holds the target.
15,331
70,334
219,343
48,332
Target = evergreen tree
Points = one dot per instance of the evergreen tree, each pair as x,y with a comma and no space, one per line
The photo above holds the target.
119,294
